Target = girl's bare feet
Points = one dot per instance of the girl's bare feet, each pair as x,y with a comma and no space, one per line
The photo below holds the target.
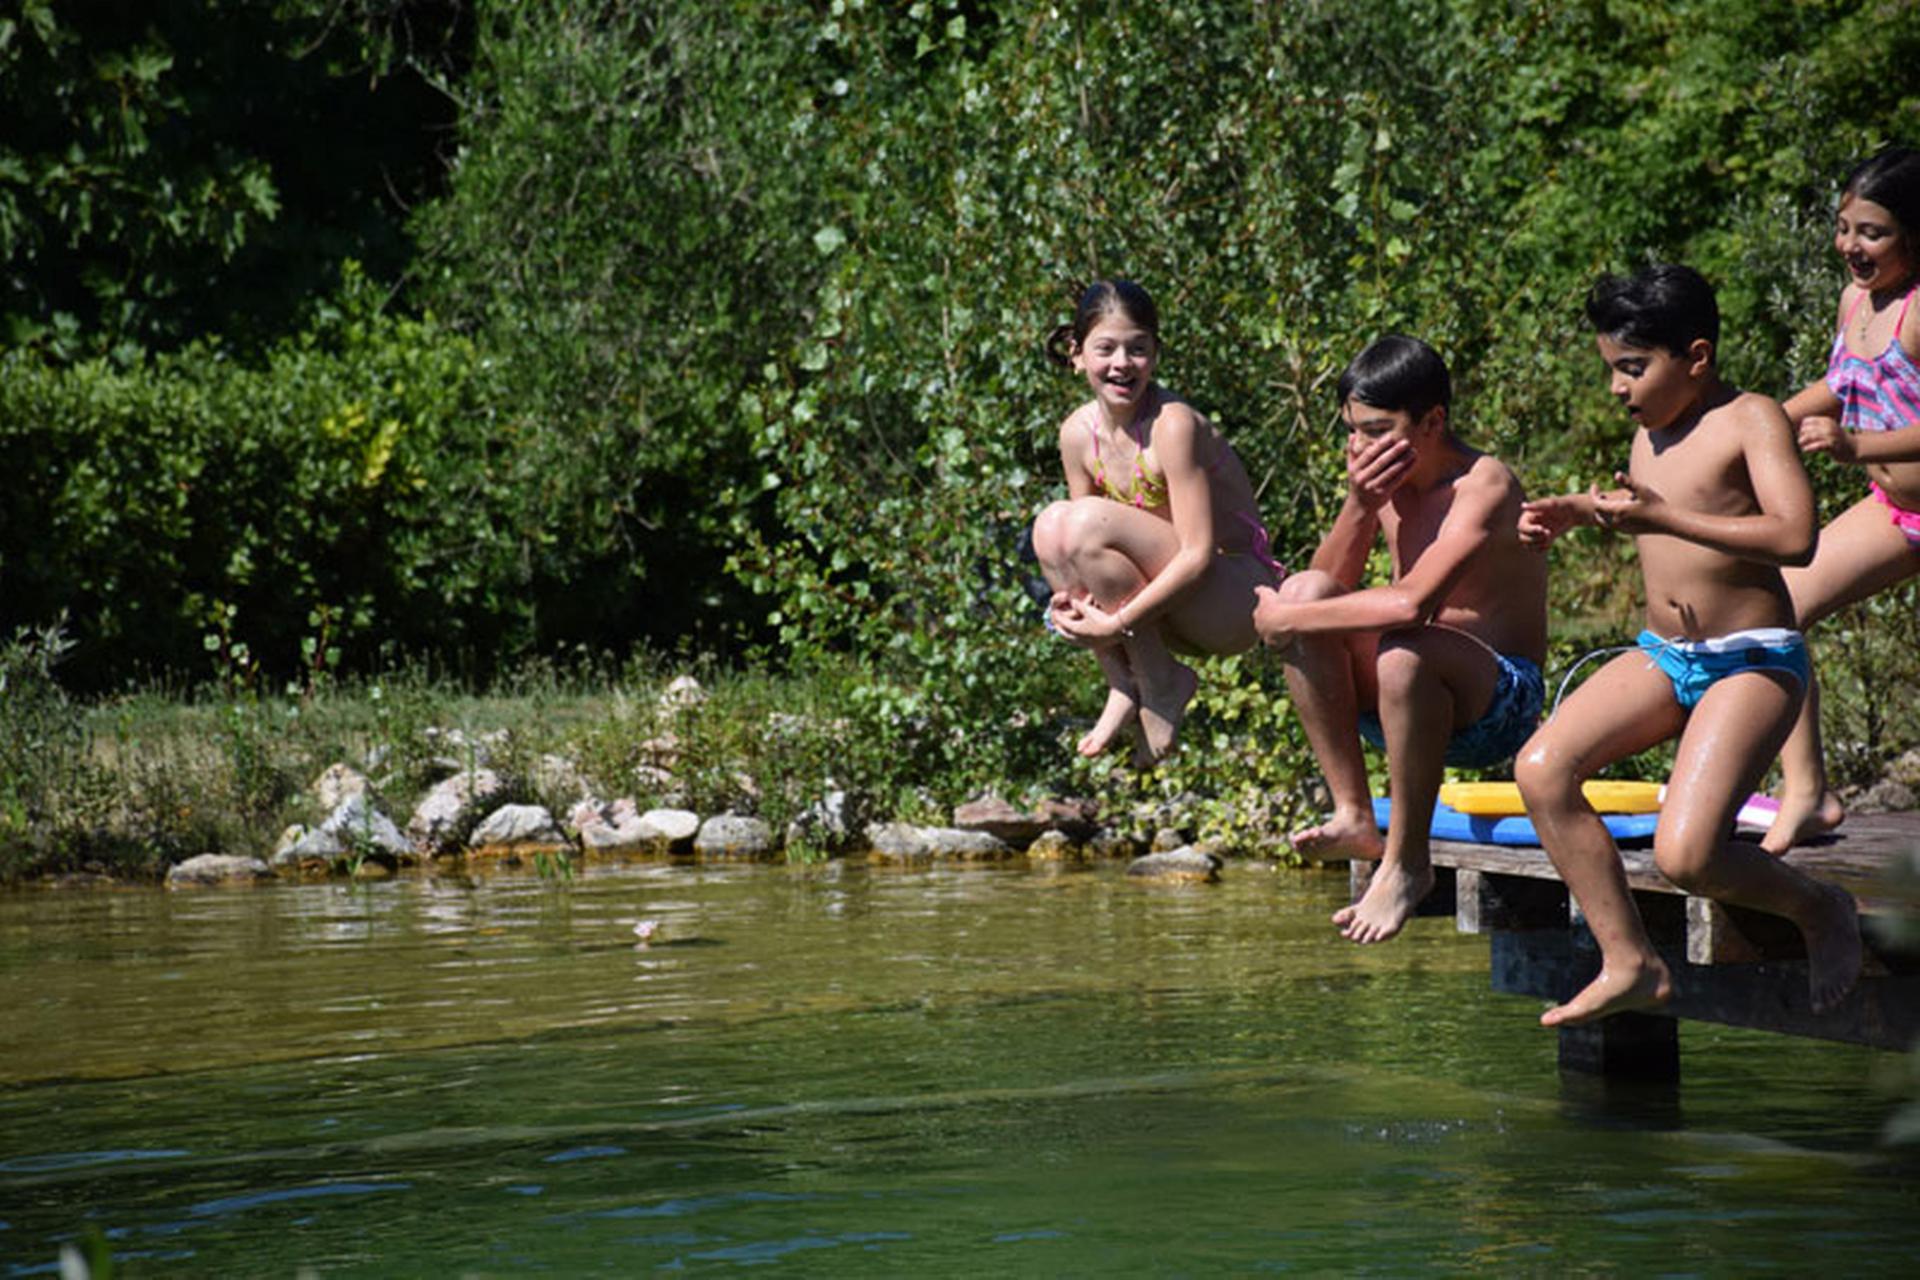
1833,948
1386,906
1162,708
1619,988
1121,707
1799,820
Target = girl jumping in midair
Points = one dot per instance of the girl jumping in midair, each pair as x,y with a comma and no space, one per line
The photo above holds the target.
1159,544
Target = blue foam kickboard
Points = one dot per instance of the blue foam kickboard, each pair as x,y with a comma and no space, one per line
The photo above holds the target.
1451,824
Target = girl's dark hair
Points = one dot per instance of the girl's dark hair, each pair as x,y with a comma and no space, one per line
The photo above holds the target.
1099,300
1890,177
1398,373
1666,305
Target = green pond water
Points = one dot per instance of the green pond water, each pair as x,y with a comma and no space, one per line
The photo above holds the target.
850,1072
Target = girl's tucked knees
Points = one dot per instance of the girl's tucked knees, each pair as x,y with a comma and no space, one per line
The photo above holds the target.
1053,530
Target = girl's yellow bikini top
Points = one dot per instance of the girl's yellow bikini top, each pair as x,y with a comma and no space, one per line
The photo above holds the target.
1142,489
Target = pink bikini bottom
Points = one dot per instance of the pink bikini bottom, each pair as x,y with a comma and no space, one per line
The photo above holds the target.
1907,522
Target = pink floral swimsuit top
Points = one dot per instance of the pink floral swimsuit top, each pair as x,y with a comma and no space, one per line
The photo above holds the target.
1881,394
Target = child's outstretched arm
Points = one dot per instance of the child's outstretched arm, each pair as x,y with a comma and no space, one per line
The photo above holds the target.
1544,519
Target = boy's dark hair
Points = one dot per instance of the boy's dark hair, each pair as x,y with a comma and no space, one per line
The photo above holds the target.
1099,300
1398,373
1665,305
1890,177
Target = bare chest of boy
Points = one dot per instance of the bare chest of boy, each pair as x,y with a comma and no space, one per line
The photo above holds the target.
1702,469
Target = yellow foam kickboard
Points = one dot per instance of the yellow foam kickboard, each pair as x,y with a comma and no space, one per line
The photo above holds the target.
1502,799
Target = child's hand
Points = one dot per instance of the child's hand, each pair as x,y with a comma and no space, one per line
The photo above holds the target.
1085,623
1825,435
1632,508
1269,618
1544,519
1376,467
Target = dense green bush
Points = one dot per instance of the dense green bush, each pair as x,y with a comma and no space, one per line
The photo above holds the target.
362,482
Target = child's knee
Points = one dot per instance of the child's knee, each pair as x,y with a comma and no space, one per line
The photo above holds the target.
1309,584
1065,528
1685,860
1400,668
1545,779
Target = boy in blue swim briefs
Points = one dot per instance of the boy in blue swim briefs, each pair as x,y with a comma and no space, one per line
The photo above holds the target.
1716,501
1440,665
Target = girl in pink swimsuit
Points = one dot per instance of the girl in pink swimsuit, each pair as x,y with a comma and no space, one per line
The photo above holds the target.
1864,412
1158,544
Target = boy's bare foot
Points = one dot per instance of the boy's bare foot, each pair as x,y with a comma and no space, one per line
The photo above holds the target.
1113,718
1162,710
1833,949
1618,989
1387,904
1798,821
1352,836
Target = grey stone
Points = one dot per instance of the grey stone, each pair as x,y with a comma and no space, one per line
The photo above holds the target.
515,827
353,826
734,836
1002,818
1186,863
677,826
444,815
1167,839
898,842
217,869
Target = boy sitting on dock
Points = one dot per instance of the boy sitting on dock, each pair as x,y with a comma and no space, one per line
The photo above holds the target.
1441,665
1717,501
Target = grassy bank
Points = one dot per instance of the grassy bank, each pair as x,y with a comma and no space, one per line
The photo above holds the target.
131,783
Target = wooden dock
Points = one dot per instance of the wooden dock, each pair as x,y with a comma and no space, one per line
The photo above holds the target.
1731,966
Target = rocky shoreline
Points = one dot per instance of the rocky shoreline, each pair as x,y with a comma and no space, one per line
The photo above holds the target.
478,816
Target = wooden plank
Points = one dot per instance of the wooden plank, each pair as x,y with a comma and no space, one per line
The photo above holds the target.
1485,902
1883,1011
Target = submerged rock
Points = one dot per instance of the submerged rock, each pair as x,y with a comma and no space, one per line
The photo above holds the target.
968,846
1183,864
217,869
902,842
